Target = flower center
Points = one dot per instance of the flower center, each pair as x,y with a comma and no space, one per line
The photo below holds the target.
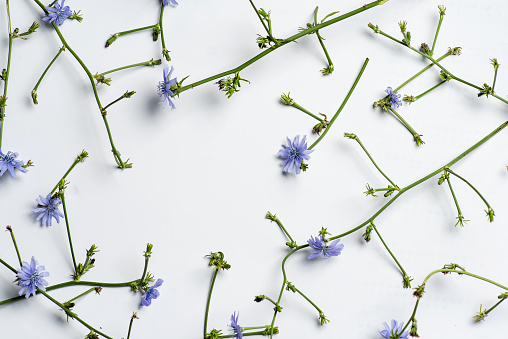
294,153
34,277
9,157
163,90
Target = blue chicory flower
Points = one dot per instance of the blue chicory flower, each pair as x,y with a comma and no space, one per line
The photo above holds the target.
151,293
31,277
57,13
164,88
293,154
48,209
9,163
237,329
319,247
395,332
394,98
167,2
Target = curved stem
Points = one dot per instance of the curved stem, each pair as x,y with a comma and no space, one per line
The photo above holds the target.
445,270
469,184
208,302
384,207
94,88
341,106
46,71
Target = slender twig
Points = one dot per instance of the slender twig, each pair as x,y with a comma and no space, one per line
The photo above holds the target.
342,105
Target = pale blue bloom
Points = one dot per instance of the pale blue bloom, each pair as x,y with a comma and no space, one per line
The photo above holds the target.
151,293
58,13
9,163
167,2
31,277
237,329
48,209
293,154
395,332
319,246
395,100
164,88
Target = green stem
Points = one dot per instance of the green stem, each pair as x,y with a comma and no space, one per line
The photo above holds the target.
208,302
284,230
165,52
284,42
373,162
268,30
385,206
469,184
419,73
115,101
495,77
82,294
330,63
7,72
65,175
270,300
46,71
146,63
441,67
72,314
9,228
454,197
416,136
147,258
444,270
135,30
493,307
307,112
94,88
341,106
284,282
437,33
310,301
8,266
130,327
404,274
427,91
69,234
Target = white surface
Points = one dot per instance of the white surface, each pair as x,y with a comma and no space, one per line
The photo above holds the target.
205,174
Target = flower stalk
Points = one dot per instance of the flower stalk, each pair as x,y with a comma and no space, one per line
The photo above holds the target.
9,228
34,91
406,280
341,106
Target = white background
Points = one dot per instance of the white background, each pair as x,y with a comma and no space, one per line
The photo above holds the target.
205,174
